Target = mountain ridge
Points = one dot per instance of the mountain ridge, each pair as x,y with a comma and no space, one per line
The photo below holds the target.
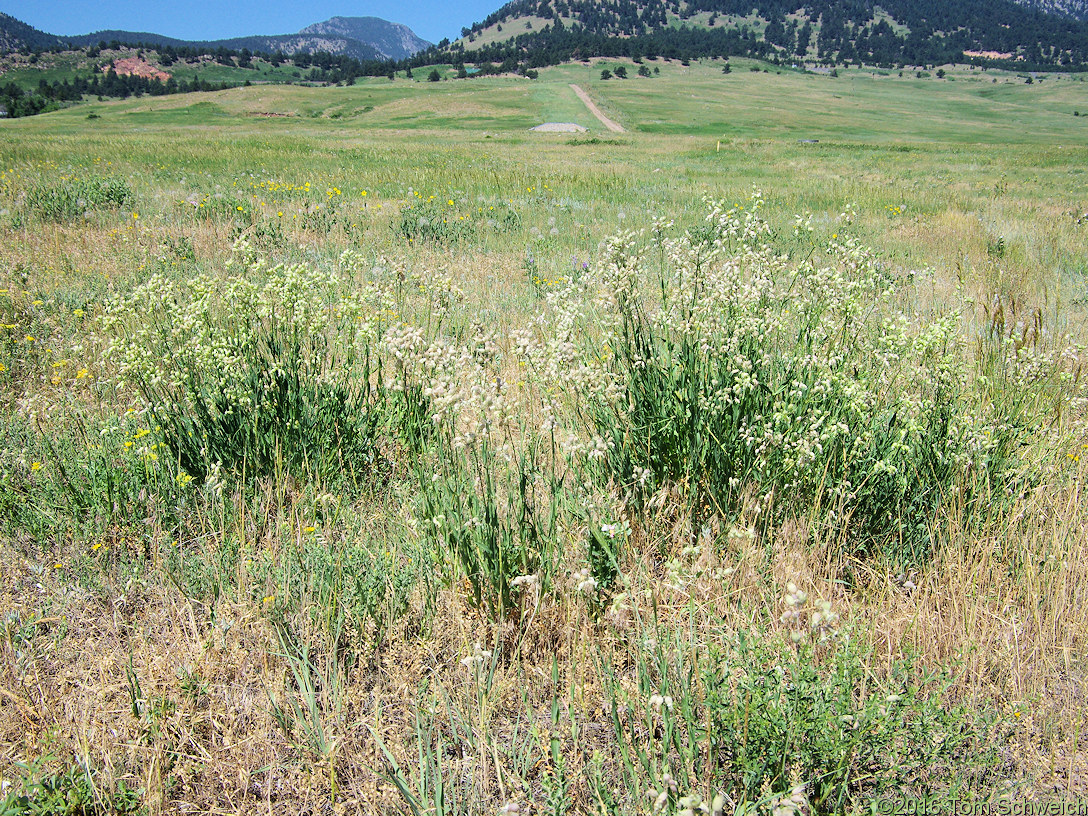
393,40
522,35
361,38
16,34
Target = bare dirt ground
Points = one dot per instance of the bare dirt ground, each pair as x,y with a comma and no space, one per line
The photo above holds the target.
558,127
608,123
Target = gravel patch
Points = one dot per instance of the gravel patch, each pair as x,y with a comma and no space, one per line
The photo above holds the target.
559,127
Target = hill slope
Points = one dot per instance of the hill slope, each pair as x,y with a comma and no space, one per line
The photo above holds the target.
15,34
891,32
126,37
302,44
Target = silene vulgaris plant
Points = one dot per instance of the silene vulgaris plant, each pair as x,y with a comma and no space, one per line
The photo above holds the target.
792,722
490,491
714,361
270,369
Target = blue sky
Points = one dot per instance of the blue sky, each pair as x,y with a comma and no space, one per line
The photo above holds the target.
218,19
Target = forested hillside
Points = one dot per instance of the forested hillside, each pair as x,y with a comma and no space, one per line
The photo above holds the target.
895,32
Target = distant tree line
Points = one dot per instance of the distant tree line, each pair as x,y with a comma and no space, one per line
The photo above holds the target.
836,32
17,102
341,65
106,83
556,43
49,96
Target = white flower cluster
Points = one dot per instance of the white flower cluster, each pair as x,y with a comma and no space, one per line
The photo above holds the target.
690,805
476,661
462,381
659,701
584,582
820,624
793,803
202,332
805,354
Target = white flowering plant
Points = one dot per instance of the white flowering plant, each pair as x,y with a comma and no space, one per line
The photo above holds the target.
266,368
737,366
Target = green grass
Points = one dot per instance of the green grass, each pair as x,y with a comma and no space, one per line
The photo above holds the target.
700,101
854,107
306,489
964,163
959,159
50,67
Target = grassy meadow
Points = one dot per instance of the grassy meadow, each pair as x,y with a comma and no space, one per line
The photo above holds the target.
364,452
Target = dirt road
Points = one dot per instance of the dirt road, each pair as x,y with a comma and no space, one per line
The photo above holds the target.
608,123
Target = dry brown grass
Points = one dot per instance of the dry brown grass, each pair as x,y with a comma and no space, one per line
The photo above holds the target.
1007,608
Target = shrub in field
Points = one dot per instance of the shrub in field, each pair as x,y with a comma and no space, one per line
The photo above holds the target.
500,217
266,234
326,215
267,369
219,207
49,786
71,198
281,412
446,221
793,723
737,367
22,326
767,721
433,220
88,478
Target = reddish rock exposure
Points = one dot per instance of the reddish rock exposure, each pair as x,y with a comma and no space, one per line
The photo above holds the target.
134,66
994,55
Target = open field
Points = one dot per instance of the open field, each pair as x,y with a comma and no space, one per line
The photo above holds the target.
365,452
